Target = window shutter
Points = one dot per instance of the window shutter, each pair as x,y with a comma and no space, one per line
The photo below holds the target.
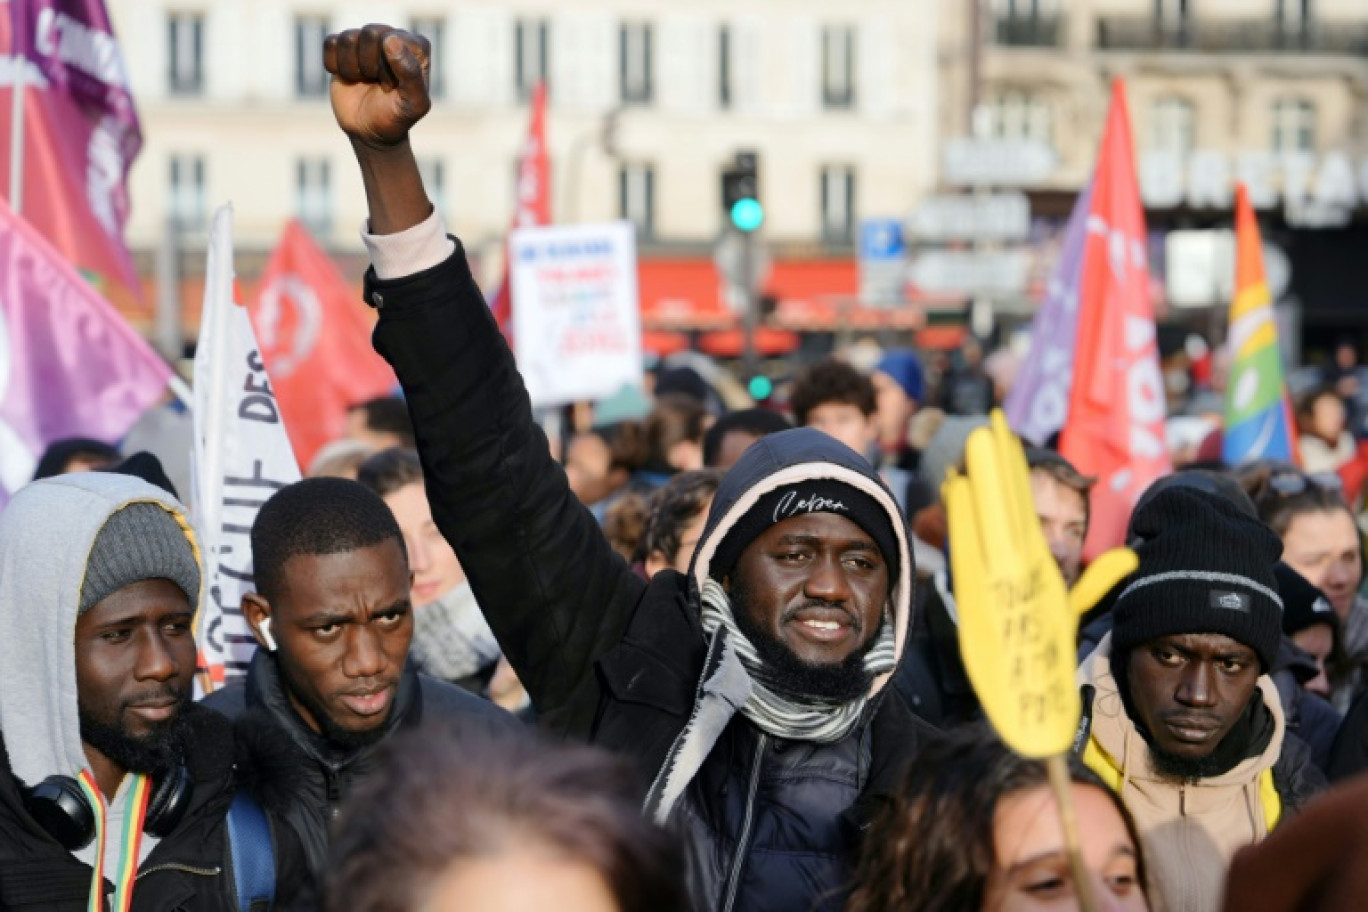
584,61
480,43
876,69
146,52
805,67
272,73
687,66
225,34
749,65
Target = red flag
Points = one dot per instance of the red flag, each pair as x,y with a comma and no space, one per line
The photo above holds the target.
315,339
1115,428
533,203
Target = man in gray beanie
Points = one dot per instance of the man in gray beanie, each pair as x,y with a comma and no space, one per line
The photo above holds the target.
1181,717
111,780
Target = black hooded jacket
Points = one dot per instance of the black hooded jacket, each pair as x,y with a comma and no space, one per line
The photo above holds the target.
606,656
295,773
189,870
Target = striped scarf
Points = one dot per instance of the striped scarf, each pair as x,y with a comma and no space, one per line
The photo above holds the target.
732,682
786,716
451,639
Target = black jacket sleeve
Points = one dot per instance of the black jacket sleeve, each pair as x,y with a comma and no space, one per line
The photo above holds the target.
1349,756
1295,776
555,594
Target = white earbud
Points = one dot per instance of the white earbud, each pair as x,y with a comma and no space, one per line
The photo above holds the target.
265,629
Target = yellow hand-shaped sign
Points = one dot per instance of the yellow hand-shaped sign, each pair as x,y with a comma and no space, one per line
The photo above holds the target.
1017,628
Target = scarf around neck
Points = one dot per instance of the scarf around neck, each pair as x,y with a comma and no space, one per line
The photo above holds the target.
733,682
788,716
451,639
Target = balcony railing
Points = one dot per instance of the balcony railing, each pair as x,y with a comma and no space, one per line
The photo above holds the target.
1231,36
1028,31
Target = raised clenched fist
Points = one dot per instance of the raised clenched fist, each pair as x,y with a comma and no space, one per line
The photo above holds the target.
380,82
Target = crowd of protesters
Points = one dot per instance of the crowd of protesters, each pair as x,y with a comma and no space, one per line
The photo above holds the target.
697,653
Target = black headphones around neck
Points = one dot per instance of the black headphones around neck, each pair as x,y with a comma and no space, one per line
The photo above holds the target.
61,808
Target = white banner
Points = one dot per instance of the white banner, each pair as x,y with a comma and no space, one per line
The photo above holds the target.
972,272
1314,191
972,217
997,162
576,313
242,456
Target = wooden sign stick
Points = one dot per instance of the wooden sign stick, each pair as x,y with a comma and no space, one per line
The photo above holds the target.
1062,785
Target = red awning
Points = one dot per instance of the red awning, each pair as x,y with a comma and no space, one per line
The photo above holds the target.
682,294
799,280
730,343
812,295
663,344
941,338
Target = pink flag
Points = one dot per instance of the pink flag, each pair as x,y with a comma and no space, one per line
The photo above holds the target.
81,131
69,364
1115,428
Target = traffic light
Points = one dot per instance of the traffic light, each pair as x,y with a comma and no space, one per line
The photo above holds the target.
741,193
760,387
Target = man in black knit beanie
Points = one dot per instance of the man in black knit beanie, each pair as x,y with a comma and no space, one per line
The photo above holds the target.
1182,718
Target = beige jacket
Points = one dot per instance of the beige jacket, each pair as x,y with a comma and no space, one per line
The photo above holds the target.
1190,830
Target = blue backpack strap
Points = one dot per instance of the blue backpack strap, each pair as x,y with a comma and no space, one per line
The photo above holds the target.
253,853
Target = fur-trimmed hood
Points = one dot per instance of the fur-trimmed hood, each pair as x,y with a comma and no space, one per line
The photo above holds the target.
804,454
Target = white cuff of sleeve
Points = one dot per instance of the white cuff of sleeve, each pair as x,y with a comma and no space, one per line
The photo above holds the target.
410,251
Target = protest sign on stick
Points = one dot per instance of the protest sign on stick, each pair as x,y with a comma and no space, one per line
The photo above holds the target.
242,455
577,326
1016,625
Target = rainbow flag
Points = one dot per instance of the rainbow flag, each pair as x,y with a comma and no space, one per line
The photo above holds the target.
1258,416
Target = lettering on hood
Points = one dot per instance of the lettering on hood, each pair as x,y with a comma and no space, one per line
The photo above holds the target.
794,503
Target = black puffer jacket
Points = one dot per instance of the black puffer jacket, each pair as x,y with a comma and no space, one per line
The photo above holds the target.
1309,716
190,870
301,778
931,676
607,657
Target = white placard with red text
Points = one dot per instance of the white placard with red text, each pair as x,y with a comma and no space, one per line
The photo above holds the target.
576,314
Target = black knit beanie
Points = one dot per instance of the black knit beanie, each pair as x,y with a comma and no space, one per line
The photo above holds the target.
140,542
1303,604
820,495
1205,567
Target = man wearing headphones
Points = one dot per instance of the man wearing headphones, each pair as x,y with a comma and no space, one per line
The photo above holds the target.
114,787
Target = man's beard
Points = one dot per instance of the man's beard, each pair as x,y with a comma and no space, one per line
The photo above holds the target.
1168,765
161,749
346,740
1187,769
342,739
784,672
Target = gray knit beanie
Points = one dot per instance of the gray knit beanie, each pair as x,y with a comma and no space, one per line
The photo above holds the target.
140,542
945,450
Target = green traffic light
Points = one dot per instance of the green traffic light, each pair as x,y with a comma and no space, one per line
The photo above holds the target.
760,388
747,214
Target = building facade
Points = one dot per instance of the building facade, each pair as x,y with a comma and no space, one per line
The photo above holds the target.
1270,92
648,103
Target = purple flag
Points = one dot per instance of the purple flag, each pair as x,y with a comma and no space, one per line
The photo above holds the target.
1038,401
69,363
84,133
